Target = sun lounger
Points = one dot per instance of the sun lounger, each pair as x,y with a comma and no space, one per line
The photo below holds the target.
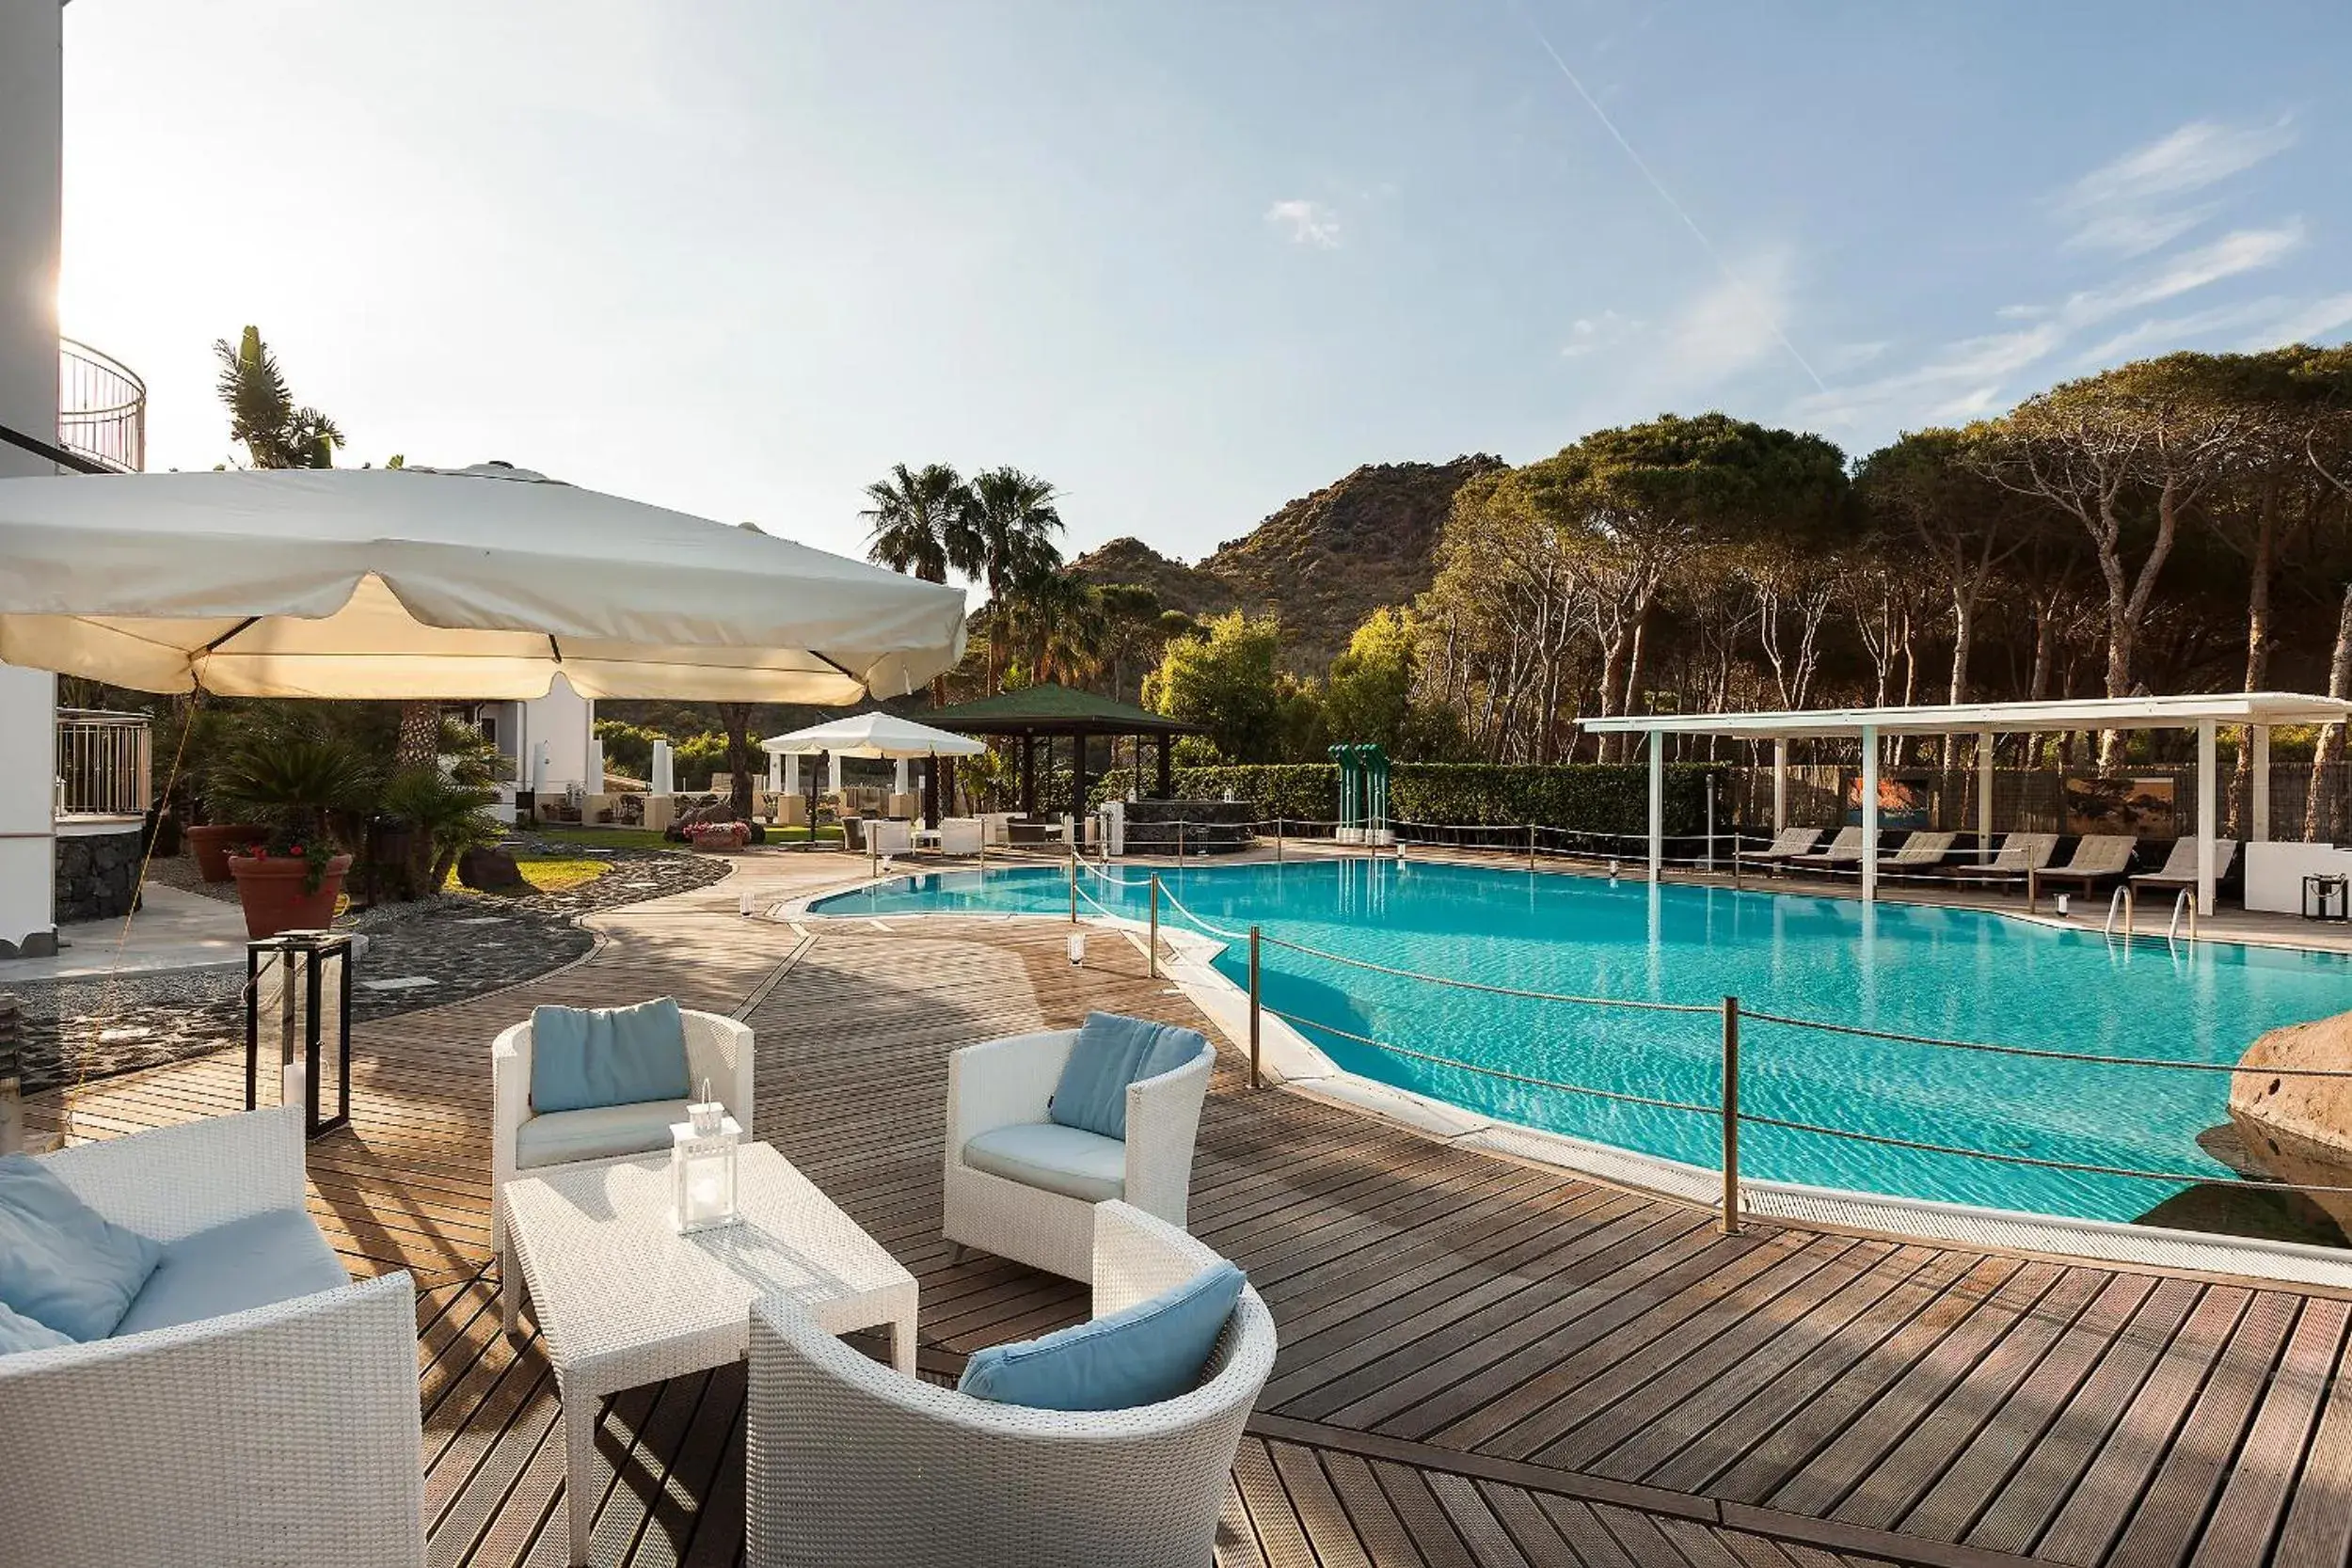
1919,852
2180,867
2020,854
1789,841
2098,857
1844,850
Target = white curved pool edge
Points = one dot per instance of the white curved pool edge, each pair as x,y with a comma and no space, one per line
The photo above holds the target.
1290,1060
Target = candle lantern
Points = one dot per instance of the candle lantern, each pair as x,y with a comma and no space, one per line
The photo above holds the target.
701,1168
297,1008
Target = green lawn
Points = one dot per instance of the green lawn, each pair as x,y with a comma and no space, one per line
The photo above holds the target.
603,838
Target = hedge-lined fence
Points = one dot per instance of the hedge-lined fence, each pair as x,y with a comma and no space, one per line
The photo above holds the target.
1598,798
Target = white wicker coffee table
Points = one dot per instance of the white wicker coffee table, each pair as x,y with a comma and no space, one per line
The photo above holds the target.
624,1300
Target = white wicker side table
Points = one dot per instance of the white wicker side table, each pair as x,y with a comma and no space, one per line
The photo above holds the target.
624,1300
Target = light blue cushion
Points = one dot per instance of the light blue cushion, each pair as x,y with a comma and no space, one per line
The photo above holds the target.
19,1332
256,1260
1153,1350
598,1133
584,1057
1113,1050
1067,1160
63,1264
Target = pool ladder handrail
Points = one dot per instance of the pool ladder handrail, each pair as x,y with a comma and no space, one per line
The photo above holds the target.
2185,901
2122,899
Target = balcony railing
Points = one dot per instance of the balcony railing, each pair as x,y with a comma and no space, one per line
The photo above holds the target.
104,764
101,407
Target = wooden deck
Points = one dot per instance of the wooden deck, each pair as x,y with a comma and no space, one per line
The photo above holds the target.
1482,1363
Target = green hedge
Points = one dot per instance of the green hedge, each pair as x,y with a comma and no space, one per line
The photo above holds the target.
1597,797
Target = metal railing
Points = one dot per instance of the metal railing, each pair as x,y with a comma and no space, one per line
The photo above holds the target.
105,763
101,407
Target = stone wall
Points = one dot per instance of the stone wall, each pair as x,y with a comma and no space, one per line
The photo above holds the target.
97,875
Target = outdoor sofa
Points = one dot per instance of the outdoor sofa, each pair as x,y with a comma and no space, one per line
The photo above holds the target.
255,1404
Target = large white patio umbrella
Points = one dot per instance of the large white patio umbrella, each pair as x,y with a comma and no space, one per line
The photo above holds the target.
871,735
419,582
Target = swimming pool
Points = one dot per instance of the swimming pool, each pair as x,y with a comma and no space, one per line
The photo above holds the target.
1950,973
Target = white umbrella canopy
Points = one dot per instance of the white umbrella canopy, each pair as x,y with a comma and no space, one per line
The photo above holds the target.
478,582
874,735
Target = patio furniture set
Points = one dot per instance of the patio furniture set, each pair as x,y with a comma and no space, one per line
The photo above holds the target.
192,1376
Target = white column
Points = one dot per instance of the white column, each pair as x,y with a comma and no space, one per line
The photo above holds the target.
1869,812
2206,791
1656,804
899,777
776,772
1780,786
1984,797
539,768
2257,814
792,774
664,781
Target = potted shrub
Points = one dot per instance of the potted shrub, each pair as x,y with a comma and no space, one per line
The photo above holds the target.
214,841
308,787
285,883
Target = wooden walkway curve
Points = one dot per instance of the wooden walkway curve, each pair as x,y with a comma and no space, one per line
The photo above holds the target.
1482,1362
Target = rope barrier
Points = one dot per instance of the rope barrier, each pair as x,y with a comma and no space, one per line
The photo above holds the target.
1626,1003
1751,1117
2042,1052
1495,1073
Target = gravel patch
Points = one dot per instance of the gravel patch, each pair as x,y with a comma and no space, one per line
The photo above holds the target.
419,955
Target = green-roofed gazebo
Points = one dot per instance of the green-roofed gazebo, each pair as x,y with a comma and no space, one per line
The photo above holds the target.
1051,711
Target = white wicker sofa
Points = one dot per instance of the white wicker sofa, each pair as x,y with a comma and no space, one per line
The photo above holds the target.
1042,1213
717,1049
850,1464
285,1433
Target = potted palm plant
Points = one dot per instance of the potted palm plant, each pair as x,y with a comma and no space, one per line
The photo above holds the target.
303,788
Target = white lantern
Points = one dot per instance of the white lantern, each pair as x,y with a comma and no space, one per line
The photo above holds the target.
1077,949
702,1170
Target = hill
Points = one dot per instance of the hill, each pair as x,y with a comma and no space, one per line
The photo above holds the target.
1322,563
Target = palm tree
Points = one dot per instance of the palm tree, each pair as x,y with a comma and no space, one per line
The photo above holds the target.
1005,535
915,527
1062,624
261,410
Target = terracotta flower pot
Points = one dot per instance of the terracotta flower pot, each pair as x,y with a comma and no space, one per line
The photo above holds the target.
214,840
271,894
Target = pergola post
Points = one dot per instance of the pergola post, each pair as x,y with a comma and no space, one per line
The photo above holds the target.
2257,808
1168,784
930,791
1079,787
1984,797
793,773
1656,804
1869,812
898,776
776,772
1780,785
2206,812
1028,774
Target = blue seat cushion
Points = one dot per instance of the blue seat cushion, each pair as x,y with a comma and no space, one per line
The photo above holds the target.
1153,1350
254,1261
1113,1050
599,1132
62,1264
19,1332
1066,1159
588,1056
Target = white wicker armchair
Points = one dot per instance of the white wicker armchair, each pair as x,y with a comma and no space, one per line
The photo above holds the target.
847,1463
718,1049
1006,1083
285,1434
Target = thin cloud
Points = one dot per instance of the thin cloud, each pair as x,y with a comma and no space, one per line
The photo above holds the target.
1730,326
1307,223
2243,250
1592,334
2164,333
2307,323
2134,204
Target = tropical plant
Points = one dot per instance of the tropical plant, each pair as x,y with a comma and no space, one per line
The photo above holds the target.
263,414
913,528
1004,537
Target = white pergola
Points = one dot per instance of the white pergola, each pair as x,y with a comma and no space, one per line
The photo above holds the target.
2204,713
860,735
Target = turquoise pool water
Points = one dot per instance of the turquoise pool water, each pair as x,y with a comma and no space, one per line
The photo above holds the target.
1956,973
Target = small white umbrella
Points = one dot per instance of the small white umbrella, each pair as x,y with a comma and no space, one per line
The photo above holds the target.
419,582
874,735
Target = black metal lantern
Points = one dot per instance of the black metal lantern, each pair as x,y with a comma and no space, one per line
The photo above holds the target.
297,996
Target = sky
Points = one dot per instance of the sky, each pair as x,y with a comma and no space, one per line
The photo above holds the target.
1186,260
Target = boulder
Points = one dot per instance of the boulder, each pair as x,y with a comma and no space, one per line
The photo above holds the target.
490,871
2313,1111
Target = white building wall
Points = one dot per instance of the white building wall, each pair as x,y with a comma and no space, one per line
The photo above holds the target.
566,723
32,118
